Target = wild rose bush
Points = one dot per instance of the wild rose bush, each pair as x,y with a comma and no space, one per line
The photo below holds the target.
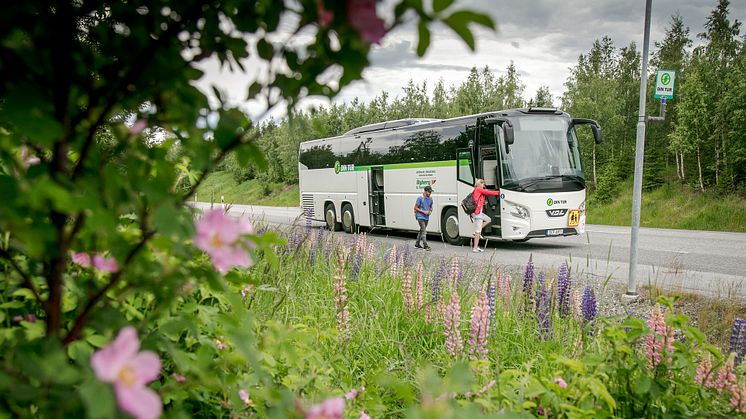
103,138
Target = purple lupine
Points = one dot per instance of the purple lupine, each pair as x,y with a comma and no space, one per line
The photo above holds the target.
406,259
589,307
327,246
564,283
492,291
543,307
738,339
309,217
528,284
315,245
357,262
435,284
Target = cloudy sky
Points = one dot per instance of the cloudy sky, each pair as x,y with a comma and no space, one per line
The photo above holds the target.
542,37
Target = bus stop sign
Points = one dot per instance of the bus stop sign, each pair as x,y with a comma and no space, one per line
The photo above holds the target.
664,81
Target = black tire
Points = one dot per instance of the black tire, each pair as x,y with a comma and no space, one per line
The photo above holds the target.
348,219
450,228
330,216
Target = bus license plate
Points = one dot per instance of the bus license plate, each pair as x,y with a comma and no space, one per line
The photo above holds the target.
573,218
555,232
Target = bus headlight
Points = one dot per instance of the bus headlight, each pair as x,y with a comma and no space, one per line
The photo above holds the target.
518,211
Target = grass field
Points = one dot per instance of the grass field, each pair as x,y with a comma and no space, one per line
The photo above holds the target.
250,192
674,206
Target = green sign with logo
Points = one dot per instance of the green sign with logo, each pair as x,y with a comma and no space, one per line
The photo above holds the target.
550,202
664,81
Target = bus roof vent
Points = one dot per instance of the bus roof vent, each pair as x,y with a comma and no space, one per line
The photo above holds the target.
542,110
389,125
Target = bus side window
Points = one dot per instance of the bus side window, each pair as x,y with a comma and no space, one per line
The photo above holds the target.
465,167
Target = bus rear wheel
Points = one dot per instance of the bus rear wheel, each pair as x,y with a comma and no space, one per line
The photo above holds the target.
450,228
330,216
348,219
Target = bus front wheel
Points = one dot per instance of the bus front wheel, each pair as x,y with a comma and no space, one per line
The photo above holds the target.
449,227
348,219
330,216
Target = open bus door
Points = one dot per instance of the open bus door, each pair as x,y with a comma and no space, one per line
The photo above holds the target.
376,197
486,156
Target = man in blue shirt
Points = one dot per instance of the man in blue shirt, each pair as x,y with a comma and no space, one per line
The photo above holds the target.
423,207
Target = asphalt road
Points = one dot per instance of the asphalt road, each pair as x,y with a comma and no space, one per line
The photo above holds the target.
703,262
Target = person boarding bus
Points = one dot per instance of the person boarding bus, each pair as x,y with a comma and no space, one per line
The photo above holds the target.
479,217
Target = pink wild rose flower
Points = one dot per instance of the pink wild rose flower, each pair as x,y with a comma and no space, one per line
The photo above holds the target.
82,259
332,408
104,264
220,237
129,370
361,14
560,382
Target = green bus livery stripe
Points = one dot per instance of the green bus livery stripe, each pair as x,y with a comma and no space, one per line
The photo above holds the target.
419,165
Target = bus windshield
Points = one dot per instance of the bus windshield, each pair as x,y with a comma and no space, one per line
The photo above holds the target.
543,158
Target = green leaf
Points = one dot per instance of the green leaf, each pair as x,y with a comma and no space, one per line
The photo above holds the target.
424,38
31,115
440,5
265,49
98,399
459,22
642,385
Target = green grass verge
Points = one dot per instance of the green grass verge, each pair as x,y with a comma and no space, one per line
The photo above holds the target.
673,206
252,192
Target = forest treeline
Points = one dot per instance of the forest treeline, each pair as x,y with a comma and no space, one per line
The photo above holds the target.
702,142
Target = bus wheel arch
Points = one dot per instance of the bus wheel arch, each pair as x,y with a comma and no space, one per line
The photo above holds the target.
449,226
330,217
348,218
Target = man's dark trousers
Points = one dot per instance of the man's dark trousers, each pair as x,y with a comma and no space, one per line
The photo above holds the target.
422,235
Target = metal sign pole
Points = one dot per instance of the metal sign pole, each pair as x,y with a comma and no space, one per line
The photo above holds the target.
639,158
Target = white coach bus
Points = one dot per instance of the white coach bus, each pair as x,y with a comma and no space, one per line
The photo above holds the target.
372,175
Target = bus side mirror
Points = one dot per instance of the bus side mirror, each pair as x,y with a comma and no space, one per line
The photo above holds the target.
596,133
508,133
595,127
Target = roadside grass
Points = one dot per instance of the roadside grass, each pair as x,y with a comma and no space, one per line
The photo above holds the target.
673,206
251,192
713,316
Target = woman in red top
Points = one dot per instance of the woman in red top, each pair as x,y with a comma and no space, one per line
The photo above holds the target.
479,217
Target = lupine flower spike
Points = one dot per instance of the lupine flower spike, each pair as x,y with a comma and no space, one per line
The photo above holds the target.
480,322
738,340
455,273
726,378
406,289
419,285
340,300
705,375
528,284
661,338
543,308
589,307
491,291
451,321
564,283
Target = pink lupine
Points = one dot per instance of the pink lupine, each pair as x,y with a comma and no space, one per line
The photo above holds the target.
122,364
393,260
661,335
220,237
726,378
419,287
451,321
454,275
406,289
361,14
560,382
371,250
340,301
577,304
505,281
738,398
332,408
705,375
480,323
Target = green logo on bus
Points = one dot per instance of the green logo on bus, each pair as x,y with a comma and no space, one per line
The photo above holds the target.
550,202
337,167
